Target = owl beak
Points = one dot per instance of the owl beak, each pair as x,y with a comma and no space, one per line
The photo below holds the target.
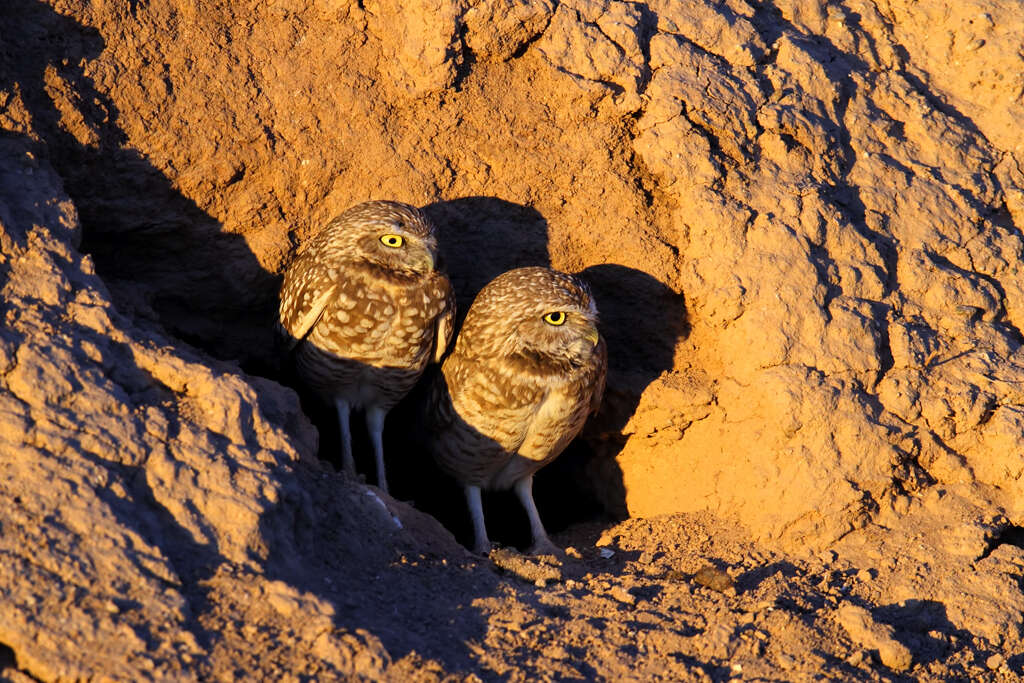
591,334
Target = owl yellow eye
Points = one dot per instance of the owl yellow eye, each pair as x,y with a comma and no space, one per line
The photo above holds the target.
556,318
393,241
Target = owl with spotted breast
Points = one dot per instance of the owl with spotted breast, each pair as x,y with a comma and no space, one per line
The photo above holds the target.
364,309
527,369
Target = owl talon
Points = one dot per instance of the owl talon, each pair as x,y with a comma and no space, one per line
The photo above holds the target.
363,309
546,547
528,367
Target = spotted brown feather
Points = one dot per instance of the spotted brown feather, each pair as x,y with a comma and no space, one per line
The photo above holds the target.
363,318
516,389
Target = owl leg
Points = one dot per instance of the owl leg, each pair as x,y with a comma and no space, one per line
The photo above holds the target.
481,544
542,545
375,426
346,436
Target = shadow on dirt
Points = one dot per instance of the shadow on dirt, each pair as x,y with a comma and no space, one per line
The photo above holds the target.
161,255
168,263
923,626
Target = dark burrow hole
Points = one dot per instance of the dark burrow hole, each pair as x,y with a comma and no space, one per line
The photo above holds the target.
560,490
1010,535
7,658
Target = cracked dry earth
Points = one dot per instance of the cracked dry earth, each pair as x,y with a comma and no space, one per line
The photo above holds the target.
802,222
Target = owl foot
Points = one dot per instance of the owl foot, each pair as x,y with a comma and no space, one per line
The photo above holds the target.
544,546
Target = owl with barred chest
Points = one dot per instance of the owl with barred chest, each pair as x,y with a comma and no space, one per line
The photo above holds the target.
364,310
527,369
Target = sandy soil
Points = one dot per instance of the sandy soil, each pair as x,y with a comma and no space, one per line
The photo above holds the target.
803,226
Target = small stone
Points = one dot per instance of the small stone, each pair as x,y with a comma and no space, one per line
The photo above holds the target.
622,595
284,604
856,659
540,583
573,553
975,44
607,553
995,661
785,661
865,575
867,633
714,578
604,541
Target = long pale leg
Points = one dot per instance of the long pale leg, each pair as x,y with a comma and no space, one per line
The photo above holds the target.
481,544
542,545
375,426
346,436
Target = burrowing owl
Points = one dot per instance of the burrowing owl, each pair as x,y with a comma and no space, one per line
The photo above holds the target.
365,311
527,368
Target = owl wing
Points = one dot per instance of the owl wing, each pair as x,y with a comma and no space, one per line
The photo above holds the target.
601,375
305,293
445,321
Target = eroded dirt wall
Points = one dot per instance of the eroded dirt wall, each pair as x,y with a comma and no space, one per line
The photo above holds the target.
804,234
802,223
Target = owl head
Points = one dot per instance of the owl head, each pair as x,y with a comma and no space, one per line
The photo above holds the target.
540,314
396,237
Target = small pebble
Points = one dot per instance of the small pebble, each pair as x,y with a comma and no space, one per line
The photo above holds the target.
714,578
573,553
622,595
995,661
865,575
975,44
604,541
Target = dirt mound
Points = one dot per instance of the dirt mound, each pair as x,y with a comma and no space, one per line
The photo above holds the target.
802,224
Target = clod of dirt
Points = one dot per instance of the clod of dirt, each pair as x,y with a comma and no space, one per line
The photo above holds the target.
869,634
715,579
622,595
539,569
